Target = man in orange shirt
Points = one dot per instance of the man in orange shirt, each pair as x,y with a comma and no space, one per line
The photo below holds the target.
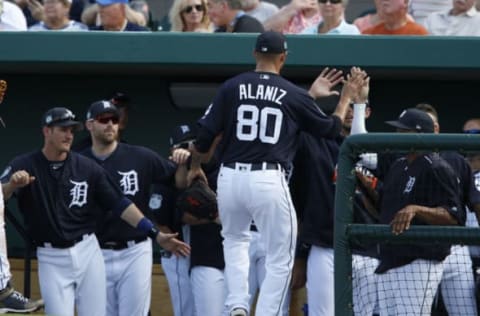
395,21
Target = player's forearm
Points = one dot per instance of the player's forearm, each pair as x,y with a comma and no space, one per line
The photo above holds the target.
435,215
132,215
181,177
7,189
342,107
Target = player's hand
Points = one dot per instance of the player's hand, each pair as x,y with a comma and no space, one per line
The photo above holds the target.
353,85
362,96
172,244
195,173
180,156
299,273
20,179
328,79
403,218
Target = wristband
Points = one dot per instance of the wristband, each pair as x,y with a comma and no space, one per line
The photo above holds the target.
146,226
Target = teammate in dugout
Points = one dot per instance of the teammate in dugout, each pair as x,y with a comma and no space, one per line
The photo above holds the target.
260,115
163,206
61,194
419,189
127,252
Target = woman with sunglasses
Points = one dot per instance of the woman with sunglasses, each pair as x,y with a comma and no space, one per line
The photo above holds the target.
189,16
333,14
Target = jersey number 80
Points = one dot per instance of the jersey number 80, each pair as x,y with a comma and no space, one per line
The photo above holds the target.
248,117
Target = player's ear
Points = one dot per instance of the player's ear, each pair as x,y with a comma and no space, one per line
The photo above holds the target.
89,124
368,111
46,130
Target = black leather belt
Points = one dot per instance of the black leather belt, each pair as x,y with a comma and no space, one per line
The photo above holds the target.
64,243
253,166
119,245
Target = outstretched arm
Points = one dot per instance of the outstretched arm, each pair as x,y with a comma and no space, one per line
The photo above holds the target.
135,218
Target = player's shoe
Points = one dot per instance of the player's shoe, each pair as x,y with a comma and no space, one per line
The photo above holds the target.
239,312
12,301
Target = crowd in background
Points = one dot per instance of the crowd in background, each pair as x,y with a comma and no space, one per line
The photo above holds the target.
384,17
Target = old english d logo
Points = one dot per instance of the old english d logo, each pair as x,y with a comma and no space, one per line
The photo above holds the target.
78,193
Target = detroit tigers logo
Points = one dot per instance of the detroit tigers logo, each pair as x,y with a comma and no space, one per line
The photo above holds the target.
409,186
129,182
78,193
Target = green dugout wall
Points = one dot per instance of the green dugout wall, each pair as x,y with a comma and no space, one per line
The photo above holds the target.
172,77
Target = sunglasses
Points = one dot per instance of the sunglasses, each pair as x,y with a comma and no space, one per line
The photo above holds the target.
331,1
189,9
105,120
472,131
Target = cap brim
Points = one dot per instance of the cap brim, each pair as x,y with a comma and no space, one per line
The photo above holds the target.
398,124
75,124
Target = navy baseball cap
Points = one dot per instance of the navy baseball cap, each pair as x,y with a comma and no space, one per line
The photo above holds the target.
182,133
101,107
271,42
120,100
60,116
415,120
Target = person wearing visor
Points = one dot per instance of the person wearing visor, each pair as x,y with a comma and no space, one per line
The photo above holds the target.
62,194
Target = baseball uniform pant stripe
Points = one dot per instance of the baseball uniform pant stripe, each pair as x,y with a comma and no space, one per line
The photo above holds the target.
176,271
261,195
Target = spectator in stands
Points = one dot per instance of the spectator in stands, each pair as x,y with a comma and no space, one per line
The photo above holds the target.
333,15
137,12
420,9
113,16
294,17
56,17
11,17
395,21
372,17
461,20
189,16
260,10
227,16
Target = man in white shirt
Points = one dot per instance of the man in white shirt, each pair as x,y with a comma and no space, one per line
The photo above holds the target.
462,19
420,9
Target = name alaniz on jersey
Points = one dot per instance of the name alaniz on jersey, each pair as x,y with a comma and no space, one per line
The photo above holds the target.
261,92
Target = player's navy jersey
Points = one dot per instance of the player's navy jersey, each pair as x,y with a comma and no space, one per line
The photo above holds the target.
428,181
468,195
260,115
313,188
163,206
66,198
134,169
